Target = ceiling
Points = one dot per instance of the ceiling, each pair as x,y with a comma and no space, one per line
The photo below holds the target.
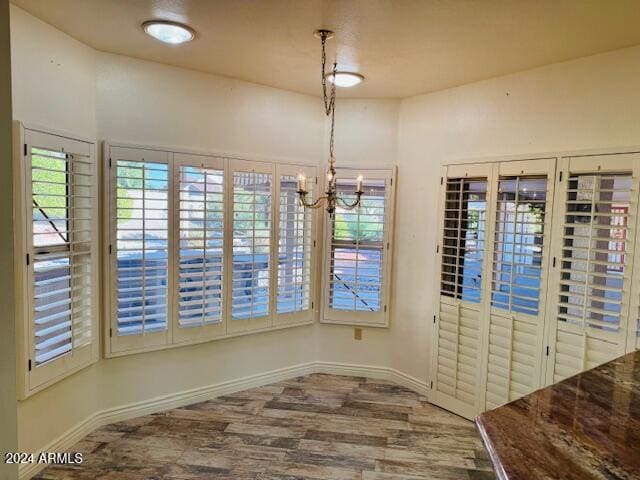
403,47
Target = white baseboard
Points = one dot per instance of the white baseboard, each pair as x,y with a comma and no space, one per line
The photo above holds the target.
201,394
382,373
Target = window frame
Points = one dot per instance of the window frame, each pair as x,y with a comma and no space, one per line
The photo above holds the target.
300,316
381,318
265,321
172,337
32,378
147,341
203,332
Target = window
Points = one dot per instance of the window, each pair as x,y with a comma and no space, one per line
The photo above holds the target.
251,255
59,200
203,247
200,248
140,253
464,238
296,247
358,251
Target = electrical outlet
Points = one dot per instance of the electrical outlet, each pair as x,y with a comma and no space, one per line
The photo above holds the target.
357,334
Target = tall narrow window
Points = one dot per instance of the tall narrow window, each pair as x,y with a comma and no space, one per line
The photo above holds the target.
142,248
61,208
251,244
294,249
62,188
358,246
519,235
201,253
594,248
464,238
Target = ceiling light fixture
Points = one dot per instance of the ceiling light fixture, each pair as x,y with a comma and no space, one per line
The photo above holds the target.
169,32
345,79
331,193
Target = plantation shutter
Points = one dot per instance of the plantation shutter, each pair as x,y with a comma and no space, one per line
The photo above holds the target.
596,209
139,258
199,184
296,246
252,245
462,262
61,241
358,250
520,246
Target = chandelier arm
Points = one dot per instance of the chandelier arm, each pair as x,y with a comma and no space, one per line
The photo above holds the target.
350,206
315,204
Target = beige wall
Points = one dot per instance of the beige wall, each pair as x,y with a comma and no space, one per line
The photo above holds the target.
53,77
8,408
366,136
592,102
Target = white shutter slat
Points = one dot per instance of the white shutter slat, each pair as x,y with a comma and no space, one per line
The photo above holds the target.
200,254
357,249
585,305
61,185
463,239
597,220
294,248
251,250
141,246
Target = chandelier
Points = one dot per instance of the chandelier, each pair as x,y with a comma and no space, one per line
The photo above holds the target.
331,196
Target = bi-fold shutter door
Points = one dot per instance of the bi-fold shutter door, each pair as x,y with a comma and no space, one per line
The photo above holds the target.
595,229
463,263
521,216
199,249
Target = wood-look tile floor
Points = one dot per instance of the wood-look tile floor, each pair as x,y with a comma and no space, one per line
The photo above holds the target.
312,427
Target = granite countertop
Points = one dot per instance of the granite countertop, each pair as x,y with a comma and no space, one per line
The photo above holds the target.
585,427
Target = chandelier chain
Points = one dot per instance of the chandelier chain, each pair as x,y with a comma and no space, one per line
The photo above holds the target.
331,196
329,100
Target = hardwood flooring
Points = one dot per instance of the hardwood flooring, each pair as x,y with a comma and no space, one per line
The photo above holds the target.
312,427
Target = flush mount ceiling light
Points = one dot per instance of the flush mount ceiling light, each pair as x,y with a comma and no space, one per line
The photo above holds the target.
168,32
345,79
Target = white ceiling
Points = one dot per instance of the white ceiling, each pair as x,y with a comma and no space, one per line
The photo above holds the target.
403,47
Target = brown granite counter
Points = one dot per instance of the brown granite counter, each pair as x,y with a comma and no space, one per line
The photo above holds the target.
585,427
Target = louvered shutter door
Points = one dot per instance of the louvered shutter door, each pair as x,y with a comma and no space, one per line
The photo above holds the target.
358,251
61,204
520,247
140,248
199,185
295,249
462,260
252,242
596,212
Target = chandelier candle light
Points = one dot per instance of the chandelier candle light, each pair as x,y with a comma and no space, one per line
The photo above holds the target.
331,193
